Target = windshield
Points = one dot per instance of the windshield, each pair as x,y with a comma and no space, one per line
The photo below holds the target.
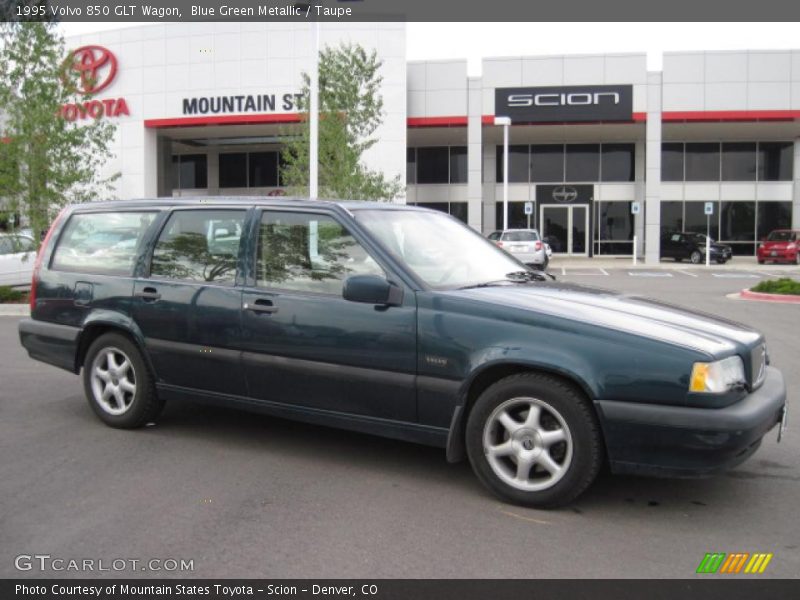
781,236
441,251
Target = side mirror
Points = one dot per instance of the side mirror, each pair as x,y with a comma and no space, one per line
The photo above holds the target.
372,289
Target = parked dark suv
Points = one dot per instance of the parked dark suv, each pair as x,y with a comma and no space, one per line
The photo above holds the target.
397,321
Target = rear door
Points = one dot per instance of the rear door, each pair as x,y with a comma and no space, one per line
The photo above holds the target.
187,303
303,343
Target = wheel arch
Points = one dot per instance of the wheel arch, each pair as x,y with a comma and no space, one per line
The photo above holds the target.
487,375
103,322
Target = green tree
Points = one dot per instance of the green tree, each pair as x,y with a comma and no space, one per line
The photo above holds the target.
45,161
350,110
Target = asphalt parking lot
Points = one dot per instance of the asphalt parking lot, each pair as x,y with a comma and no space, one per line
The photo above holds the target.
253,496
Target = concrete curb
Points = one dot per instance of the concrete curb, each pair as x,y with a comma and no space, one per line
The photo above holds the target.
761,297
15,310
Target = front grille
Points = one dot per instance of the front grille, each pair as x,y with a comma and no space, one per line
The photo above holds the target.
758,365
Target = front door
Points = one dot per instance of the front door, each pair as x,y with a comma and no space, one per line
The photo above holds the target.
307,346
566,228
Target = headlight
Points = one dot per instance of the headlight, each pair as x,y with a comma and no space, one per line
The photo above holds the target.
717,377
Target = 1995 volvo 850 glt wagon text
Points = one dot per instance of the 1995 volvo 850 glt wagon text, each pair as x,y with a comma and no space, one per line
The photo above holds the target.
397,321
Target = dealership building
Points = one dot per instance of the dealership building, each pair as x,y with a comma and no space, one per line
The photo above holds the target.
600,149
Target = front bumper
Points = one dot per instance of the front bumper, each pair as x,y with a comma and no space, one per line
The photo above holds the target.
780,255
678,441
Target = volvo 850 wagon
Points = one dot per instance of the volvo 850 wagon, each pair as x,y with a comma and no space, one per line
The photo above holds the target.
397,321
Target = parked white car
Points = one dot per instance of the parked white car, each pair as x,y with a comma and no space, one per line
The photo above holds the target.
17,255
524,244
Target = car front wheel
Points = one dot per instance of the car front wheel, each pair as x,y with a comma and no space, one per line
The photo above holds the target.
534,440
696,257
117,383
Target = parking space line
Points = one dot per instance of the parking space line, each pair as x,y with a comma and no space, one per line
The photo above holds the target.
649,274
736,275
603,271
686,273
563,271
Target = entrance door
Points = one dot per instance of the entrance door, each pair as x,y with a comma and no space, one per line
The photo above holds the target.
566,228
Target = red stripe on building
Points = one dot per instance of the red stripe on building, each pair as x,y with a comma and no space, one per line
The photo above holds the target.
453,121
730,115
222,120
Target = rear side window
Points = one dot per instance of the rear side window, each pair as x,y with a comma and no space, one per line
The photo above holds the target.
104,243
200,246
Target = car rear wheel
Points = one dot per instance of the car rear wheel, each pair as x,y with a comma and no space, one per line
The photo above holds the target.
117,383
534,440
696,257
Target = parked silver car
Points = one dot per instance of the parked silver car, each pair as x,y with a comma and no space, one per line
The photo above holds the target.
524,244
17,255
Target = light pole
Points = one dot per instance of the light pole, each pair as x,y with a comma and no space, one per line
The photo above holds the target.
506,123
313,146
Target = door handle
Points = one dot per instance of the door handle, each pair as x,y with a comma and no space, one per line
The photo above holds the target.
148,293
261,306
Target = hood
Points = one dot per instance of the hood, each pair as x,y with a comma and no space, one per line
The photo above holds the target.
632,314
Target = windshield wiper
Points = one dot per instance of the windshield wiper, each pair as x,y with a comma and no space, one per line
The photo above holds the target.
513,277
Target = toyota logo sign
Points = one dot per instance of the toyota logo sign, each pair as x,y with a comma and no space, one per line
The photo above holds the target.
90,69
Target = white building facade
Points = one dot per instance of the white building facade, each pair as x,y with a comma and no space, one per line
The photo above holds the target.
601,149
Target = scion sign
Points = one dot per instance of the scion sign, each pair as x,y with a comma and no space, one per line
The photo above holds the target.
565,104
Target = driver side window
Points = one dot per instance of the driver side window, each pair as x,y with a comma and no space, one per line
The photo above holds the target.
308,252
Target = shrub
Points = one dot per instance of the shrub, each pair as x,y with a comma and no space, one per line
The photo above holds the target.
784,285
8,294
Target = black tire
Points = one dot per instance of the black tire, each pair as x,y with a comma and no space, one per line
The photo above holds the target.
721,261
581,463
139,407
761,261
696,257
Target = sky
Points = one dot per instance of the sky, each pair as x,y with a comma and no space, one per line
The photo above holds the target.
428,41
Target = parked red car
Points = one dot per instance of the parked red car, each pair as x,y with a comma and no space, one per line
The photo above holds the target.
782,245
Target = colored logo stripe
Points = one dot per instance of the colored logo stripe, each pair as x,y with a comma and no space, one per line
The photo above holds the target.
720,562
758,564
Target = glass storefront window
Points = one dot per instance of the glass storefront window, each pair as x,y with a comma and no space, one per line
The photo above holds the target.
672,161
263,169
458,164
518,164
233,170
739,161
433,165
517,219
614,228
617,162
702,161
695,219
773,215
547,163
459,211
411,165
191,171
583,162
671,217
737,221
775,161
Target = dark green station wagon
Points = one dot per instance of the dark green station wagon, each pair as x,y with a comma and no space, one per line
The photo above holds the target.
396,321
